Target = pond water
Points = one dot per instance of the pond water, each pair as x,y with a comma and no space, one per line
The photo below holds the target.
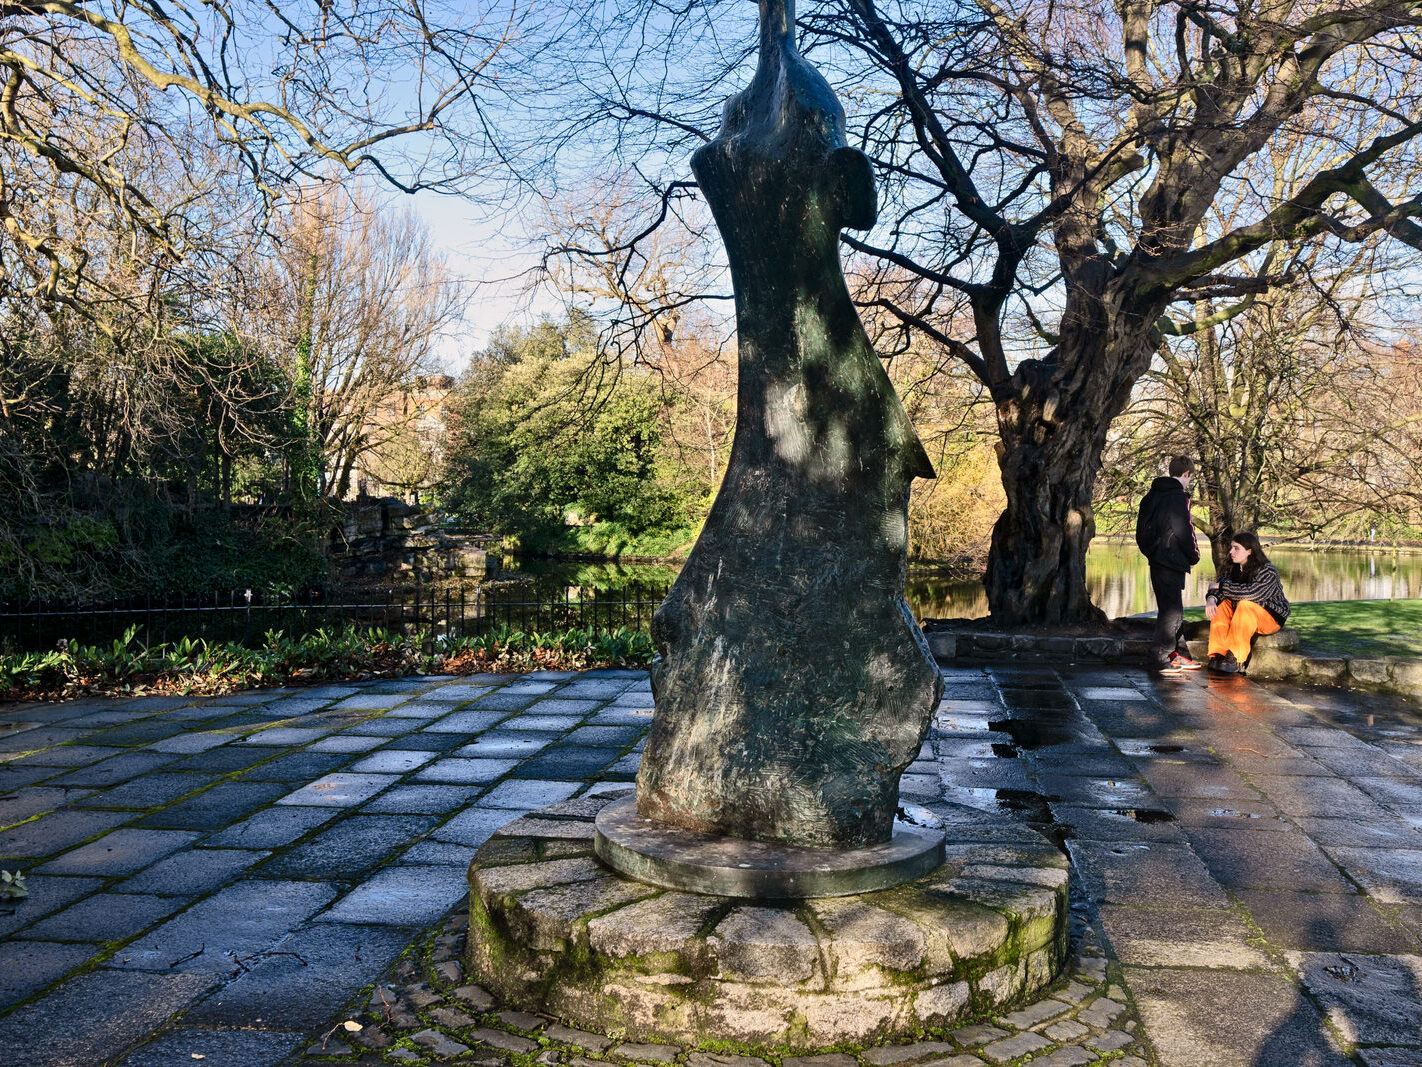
1116,572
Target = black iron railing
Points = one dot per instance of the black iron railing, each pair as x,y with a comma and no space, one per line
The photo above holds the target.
247,615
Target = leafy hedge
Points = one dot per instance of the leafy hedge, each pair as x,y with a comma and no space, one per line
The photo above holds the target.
199,668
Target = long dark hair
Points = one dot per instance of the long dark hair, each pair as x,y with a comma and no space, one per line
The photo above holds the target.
1257,558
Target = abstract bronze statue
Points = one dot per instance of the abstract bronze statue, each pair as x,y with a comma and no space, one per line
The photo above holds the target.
793,686
792,689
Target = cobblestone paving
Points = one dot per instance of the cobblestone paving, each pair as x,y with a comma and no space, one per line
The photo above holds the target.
425,1011
230,878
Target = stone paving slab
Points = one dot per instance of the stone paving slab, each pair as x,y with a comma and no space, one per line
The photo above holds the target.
405,896
188,829
304,979
1173,937
191,873
1240,1019
237,922
215,808
55,832
1371,1000
96,1017
106,917
217,1048
272,827
1324,922
123,851
350,848
46,895
28,966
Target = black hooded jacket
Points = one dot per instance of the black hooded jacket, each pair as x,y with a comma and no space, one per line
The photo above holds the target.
1163,526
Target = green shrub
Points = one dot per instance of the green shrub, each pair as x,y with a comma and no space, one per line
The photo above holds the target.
545,439
196,666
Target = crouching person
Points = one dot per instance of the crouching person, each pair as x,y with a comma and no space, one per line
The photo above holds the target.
1246,599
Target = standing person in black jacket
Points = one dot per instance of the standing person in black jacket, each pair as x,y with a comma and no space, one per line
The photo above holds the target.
1165,534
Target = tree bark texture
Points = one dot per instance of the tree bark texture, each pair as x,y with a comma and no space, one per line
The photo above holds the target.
1053,416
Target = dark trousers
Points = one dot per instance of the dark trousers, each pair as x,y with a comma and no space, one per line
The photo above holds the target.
1169,589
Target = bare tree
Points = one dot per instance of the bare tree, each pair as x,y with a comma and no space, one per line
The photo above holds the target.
277,92
357,302
102,414
1282,403
1049,171
145,150
650,284
407,460
652,291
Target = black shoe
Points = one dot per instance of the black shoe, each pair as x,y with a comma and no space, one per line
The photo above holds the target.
1229,664
1215,662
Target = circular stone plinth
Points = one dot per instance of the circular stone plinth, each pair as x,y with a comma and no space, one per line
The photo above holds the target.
673,858
553,929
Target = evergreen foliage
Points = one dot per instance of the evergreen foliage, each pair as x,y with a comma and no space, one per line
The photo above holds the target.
549,444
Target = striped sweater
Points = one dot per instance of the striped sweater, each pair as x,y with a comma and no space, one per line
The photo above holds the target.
1265,590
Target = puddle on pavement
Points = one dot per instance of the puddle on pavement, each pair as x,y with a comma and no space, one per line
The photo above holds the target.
1231,813
1027,803
1024,805
1034,733
1038,700
1032,808
1148,816
1029,806
1027,680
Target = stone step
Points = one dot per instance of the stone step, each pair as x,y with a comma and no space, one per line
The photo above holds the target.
990,647
1283,640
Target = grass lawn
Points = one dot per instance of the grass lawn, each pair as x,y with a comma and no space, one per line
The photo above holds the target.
1356,627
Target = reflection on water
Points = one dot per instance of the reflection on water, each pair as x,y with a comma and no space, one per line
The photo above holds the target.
1119,579
1116,572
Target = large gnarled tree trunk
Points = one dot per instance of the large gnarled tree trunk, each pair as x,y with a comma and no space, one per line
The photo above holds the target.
1037,567
1052,422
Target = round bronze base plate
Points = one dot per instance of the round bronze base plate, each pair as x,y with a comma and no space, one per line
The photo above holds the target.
675,858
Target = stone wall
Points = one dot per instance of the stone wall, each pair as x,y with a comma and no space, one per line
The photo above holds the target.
989,646
385,536
1277,657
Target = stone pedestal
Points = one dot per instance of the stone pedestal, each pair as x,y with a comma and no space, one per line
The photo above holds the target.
553,930
673,858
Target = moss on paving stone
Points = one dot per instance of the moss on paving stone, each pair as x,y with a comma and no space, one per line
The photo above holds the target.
426,991
1236,725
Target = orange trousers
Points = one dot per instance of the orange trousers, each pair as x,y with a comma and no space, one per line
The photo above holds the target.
1235,625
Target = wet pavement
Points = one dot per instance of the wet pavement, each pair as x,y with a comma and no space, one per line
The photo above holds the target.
229,878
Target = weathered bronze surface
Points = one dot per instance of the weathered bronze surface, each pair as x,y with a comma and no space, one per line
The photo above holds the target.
674,858
793,685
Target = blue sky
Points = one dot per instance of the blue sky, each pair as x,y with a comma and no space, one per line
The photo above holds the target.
490,255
